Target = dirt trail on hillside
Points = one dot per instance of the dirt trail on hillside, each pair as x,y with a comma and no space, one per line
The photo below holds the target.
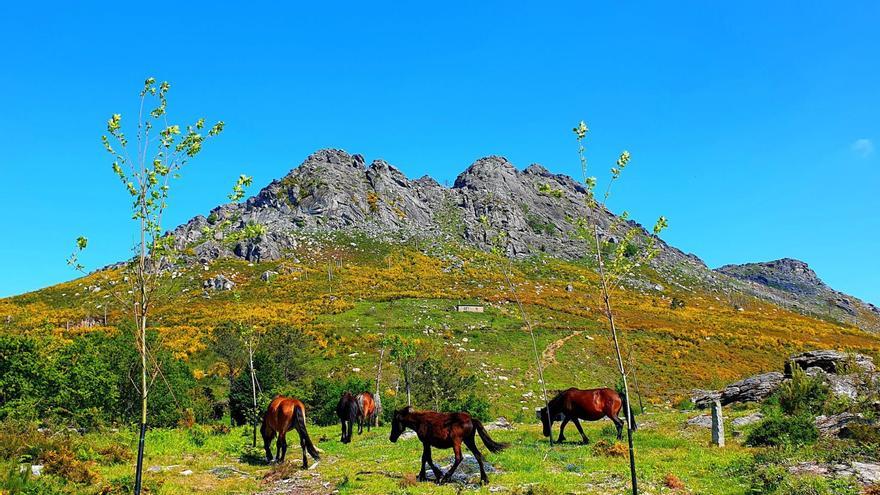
548,357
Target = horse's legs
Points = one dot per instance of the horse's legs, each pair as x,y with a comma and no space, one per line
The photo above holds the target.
267,442
282,447
302,445
360,425
562,429
618,423
456,448
472,445
342,422
426,454
581,430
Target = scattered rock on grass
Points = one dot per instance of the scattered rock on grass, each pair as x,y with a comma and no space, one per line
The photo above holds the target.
499,424
468,471
747,420
702,421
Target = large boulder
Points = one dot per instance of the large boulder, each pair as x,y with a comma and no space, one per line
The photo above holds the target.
752,389
831,361
838,423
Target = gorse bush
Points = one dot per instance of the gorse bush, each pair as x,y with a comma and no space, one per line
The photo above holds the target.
778,429
442,383
802,394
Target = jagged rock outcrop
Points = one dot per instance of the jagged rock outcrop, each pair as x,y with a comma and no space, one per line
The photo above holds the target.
836,424
333,190
792,283
831,361
752,389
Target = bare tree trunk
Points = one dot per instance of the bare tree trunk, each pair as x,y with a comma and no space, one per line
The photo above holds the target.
253,386
406,382
378,382
229,405
141,321
629,419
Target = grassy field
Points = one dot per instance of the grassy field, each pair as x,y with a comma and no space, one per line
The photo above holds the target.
347,296
223,463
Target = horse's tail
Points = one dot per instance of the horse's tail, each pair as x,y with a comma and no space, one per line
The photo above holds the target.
628,407
299,422
492,445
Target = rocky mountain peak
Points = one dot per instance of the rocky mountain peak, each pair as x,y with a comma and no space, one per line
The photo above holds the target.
486,171
333,190
785,274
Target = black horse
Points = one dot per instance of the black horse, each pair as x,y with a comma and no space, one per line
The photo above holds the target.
347,410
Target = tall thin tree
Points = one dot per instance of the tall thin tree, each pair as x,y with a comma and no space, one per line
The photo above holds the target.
159,153
618,265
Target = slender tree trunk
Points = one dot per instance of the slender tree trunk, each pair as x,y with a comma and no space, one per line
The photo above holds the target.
229,405
141,321
406,382
378,382
253,387
629,422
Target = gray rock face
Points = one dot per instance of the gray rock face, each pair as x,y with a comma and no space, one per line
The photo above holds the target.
335,191
834,425
752,389
747,420
831,361
865,473
792,283
701,421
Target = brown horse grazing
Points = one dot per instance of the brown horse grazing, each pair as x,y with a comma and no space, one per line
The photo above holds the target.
590,405
283,414
347,411
366,410
351,409
443,431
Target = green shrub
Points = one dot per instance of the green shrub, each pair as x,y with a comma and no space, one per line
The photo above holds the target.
87,382
280,361
862,434
802,394
777,429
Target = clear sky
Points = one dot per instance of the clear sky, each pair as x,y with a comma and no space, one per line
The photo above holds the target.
752,125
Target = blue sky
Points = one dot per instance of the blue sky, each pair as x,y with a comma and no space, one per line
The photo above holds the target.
752,125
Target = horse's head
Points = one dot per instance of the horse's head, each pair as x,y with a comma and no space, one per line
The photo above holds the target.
397,423
545,420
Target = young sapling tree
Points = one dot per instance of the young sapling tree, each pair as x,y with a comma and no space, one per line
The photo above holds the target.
146,168
616,265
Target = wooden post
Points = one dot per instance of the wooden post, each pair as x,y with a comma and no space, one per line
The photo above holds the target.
717,424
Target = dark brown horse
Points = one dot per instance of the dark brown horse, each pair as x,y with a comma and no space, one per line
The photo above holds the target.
360,409
443,431
282,415
347,411
590,405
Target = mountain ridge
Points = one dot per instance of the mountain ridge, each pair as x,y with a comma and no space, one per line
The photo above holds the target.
333,190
